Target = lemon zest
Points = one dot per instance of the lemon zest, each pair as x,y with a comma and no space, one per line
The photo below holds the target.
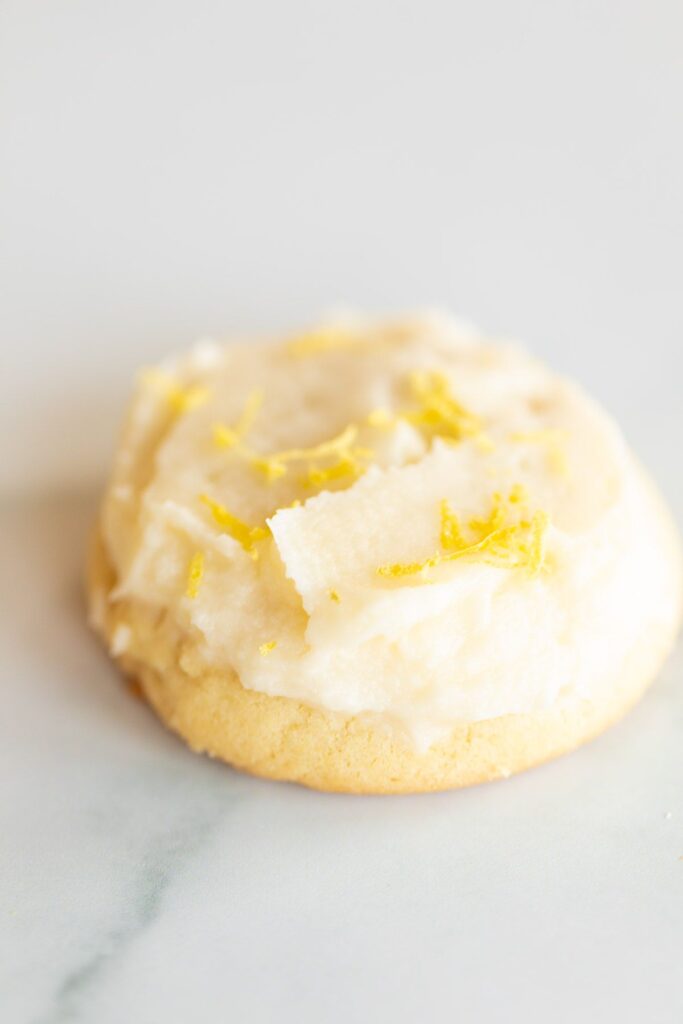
496,541
495,518
334,446
347,466
518,495
439,411
381,419
224,437
251,410
245,535
451,535
276,465
334,596
321,339
266,648
230,437
180,399
194,574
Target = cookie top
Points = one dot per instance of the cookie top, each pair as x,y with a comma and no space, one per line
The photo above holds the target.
397,519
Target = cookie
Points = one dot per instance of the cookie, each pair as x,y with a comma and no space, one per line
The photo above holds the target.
380,556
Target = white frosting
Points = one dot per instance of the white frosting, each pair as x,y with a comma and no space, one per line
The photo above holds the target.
467,640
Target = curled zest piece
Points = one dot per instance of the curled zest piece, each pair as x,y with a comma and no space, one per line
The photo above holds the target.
245,535
276,465
180,399
495,540
230,437
554,442
346,466
194,574
438,412
266,648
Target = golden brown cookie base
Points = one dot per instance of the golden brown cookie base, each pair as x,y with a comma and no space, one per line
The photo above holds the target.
280,738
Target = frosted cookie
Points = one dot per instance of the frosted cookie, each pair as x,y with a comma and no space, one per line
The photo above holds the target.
380,557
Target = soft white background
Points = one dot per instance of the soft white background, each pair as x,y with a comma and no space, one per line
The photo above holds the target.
171,169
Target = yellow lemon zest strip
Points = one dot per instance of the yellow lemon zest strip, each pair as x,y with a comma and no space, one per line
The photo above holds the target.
224,437
537,543
271,467
518,495
451,535
230,437
520,545
408,568
245,535
180,399
439,410
194,574
494,520
322,339
266,648
251,410
439,413
381,419
335,445
275,465
347,466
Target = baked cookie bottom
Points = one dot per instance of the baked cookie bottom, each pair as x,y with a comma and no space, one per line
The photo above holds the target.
281,738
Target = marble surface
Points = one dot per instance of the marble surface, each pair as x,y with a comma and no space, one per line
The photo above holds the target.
193,167
139,882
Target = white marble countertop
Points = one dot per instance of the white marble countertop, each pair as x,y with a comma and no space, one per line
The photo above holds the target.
142,883
196,167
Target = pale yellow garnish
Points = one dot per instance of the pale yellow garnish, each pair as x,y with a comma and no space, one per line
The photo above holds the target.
440,412
249,413
271,467
408,568
347,464
336,445
451,536
334,596
344,467
194,574
266,648
225,437
230,437
495,540
322,339
246,535
495,519
518,495
276,465
554,442
381,419
180,399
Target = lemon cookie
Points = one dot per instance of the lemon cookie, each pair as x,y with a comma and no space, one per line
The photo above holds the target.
381,556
